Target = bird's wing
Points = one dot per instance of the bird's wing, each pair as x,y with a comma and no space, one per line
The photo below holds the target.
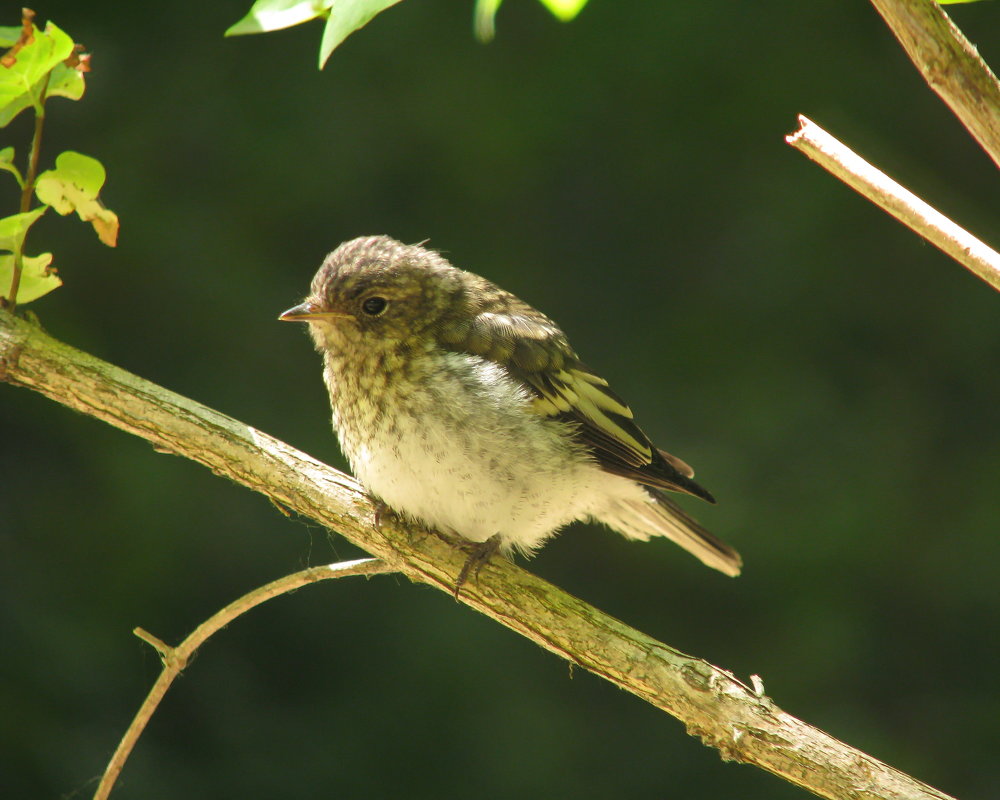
534,351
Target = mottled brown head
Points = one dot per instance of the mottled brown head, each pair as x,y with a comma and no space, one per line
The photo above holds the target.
375,290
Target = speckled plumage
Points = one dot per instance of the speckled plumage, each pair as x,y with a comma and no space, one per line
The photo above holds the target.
461,406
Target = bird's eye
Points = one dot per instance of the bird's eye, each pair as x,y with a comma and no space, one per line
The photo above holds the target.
374,306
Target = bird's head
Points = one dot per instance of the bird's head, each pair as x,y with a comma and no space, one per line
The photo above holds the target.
375,291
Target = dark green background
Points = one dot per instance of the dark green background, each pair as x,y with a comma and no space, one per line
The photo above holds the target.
833,378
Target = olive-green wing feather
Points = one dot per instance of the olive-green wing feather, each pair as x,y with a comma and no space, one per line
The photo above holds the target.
533,350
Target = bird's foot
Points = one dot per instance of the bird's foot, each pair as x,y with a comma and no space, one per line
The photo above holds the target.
479,554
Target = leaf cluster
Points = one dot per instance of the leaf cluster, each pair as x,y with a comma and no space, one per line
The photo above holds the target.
38,65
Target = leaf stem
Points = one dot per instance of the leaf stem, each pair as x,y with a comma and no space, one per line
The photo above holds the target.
28,189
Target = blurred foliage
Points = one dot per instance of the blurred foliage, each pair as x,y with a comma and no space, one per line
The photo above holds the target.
343,17
832,378
38,65
484,15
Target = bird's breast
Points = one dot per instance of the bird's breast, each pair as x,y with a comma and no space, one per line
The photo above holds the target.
451,440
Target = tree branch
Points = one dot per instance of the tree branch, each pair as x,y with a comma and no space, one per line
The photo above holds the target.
905,206
741,723
175,659
950,64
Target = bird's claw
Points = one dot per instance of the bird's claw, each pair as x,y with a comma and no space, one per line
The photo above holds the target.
479,554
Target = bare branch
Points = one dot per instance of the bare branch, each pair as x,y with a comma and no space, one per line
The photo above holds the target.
728,715
905,206
950,64
175,659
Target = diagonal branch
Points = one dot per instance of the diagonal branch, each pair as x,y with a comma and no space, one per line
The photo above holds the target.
905,206
743,724
950,64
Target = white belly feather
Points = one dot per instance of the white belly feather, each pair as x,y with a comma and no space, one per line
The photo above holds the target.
466,455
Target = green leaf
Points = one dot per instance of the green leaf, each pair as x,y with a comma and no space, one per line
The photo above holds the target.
21,83
9,36
564,10
273,15
484,16
346,16
74,185
12,105
14,228
7,165
484,19
65,82
36,277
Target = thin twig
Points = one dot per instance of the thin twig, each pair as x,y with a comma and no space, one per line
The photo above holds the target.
905,206
950,64
175,659
28,189
728,715
36,147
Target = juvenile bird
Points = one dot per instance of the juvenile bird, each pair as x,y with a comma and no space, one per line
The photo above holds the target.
462,407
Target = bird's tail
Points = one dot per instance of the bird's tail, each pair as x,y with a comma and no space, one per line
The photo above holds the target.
657,515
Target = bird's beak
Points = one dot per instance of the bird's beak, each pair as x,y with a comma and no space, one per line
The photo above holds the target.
304,312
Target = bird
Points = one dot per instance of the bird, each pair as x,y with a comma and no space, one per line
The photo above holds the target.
461,407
